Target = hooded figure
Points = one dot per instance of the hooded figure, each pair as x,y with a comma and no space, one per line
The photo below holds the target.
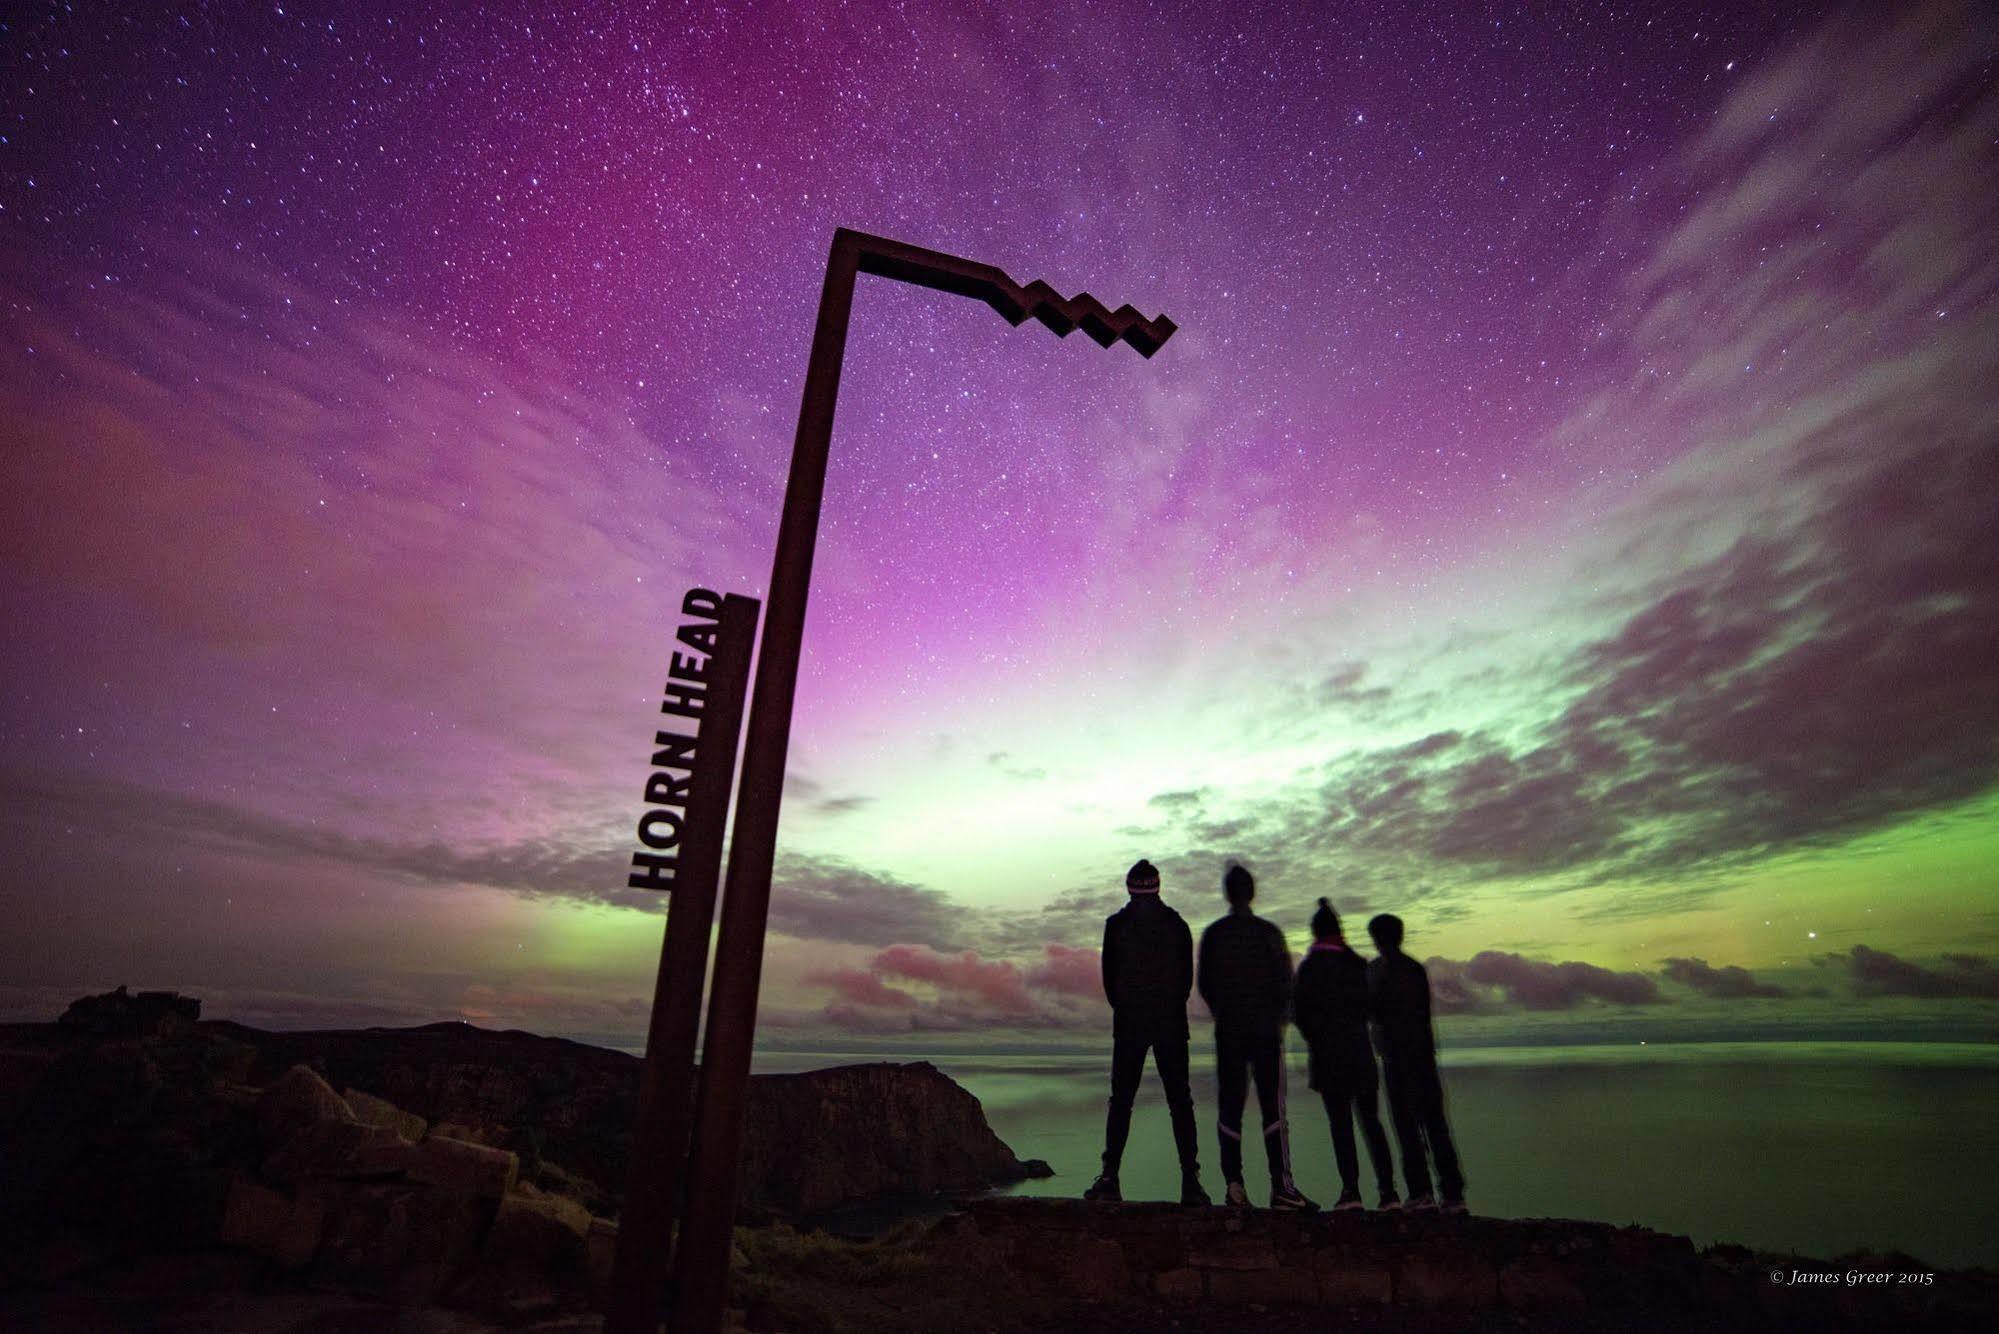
1329,1005
1148,968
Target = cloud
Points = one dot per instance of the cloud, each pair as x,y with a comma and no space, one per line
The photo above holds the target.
579,866
1531,984
999,986
1819,678
800,790
1803,635
1069,971
912,988
1025,773
1181,801
858,987
812,898
1960,976
1342,688
818,898
1074,918
370,598
1451,992
1725,983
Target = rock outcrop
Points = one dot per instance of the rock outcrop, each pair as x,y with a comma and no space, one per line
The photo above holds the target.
120,1014
812,1142
435,1164
829,1137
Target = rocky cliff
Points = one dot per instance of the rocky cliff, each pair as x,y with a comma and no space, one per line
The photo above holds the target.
813,1142
415,1166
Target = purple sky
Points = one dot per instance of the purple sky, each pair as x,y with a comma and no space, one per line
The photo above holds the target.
1560,516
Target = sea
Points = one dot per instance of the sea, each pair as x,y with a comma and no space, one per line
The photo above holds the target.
1815,1148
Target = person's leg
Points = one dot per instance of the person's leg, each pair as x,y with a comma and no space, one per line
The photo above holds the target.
1366,1108
1169,1054
1266,1063
1404,1109
1128,1046
1232,1089
1337,1114
1438,1132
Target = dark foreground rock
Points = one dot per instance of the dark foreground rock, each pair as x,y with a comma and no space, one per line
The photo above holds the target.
813,1142
131,1133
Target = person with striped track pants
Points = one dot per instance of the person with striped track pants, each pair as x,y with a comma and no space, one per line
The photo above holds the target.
1244,975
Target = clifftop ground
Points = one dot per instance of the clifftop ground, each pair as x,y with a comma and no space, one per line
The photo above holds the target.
1072,1268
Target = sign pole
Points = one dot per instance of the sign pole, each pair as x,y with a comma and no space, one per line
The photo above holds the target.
701,1262
713,692
701,1265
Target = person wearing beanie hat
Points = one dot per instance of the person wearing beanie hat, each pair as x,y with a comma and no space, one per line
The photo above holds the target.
1329,1005
1148,970
1245,977
1398,1002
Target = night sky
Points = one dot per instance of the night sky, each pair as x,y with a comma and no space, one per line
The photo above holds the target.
1568,515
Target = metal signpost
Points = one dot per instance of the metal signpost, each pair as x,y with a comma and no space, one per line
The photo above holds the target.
701,1259
687,806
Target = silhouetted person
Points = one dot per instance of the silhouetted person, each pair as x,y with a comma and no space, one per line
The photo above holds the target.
1399,1004
1329,1005
1245,977
1148,963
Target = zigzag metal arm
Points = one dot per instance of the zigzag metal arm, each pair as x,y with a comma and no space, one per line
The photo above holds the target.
983,282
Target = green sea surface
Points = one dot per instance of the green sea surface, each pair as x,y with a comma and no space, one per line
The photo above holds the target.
1815,1147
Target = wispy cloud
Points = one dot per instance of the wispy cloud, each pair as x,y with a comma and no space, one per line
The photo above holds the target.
1956,977
1728,982
912,988
1802,609
1495,976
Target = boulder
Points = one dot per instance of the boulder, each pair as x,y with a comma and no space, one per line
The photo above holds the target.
454,1164
343,1150
296,1099
374,1111
472,1132
600,1247
396,1241
278,1227
226,1061
534,1262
